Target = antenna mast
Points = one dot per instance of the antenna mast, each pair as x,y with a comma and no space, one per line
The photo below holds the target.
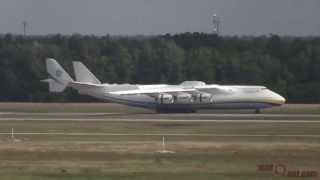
25,25
216,24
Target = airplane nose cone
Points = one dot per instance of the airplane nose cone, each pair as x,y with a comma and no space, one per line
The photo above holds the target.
274,98
282,100
278,99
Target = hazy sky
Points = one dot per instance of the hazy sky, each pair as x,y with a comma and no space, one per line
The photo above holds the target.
132,17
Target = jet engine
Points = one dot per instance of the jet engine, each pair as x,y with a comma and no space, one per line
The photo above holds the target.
165,99
204,98
183,98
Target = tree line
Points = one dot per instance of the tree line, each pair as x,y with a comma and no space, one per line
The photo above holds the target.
288,65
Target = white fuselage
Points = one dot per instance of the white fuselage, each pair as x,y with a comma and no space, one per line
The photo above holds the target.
213,97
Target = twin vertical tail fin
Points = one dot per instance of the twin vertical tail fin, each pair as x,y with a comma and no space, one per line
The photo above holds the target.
59,78
83,74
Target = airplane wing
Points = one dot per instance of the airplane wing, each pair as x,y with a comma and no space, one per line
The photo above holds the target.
153,91
214,89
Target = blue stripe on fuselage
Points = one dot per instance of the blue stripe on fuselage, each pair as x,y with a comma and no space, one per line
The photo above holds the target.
223,105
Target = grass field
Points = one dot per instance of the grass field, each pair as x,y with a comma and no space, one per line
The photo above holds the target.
122,150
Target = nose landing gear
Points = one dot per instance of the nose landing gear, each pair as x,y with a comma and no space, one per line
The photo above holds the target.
257,111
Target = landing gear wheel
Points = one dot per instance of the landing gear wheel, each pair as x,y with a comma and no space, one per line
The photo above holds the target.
257,111
168,111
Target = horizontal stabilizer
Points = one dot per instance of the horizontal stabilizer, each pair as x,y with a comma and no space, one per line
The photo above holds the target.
59,78
55,86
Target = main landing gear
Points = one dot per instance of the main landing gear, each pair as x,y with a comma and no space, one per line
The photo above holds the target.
257,111
168,111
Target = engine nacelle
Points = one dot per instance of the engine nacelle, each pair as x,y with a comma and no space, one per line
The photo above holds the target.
165,99
184,98
204,98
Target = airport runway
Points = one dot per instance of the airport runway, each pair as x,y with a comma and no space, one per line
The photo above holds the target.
155,134
165,115
152,117
161,120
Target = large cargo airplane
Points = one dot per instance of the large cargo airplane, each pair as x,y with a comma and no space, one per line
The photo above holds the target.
189,96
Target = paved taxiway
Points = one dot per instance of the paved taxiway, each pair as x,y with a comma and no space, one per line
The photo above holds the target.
154,134
152,117
168,118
